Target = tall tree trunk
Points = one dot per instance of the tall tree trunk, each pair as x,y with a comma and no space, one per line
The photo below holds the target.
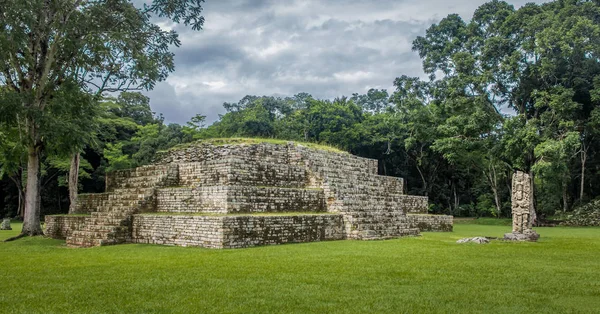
423,180
21,209
456,198
31,221
565,196
532,200
73,182
17,179
493,181
583,160
497,201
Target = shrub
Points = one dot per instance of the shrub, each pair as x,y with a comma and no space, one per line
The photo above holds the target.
585,215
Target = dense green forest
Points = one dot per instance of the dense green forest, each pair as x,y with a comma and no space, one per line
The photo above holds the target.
508,89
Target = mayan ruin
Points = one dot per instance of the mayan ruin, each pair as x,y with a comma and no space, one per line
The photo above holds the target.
232,195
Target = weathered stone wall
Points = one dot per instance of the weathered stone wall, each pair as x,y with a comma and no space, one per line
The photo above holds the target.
251,199
239,199
252,178
442,223
238,171
87,203
200,152
180,230
263,152
235,231
207,173
413,204
210,199
373,206
247,231
143,177
62,226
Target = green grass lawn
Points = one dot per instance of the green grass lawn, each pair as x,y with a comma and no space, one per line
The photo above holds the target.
558,274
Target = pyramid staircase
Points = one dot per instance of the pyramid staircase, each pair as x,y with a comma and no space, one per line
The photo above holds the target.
130,192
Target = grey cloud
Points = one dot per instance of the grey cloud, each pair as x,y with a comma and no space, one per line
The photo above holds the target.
207,54
326,48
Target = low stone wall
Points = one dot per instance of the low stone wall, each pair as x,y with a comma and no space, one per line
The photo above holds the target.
213,172
143,177
414,204
199,152
62,226
247,231
291,153
251,199
180,230
212,199
423,222
87,203
235,231
237,171
377,225
239,199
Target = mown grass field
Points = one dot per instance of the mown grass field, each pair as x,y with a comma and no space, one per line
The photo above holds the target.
559,274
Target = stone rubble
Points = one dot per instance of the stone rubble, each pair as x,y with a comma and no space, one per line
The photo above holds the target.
478,240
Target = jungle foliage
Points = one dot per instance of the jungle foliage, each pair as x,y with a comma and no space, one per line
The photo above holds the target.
508,89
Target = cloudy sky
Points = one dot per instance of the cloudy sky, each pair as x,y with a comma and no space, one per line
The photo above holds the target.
327,48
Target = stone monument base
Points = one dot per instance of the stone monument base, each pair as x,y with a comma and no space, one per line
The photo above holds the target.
528,235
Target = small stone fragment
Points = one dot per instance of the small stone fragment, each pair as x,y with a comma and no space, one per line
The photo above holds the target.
528,235
478,240
5,224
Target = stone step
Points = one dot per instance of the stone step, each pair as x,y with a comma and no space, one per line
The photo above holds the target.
126,203
133,190
106,221
112,214
137,179
127,196
116,208
101,227
136,185
105,242
102,234
82,242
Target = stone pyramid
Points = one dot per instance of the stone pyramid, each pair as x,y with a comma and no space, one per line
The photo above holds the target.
241,193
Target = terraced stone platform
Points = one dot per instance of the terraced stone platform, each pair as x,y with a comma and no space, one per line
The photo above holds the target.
232,195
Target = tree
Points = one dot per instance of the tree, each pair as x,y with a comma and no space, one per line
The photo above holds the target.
375,100
539,60
95,46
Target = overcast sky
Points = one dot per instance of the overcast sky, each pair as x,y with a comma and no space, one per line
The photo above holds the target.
327,48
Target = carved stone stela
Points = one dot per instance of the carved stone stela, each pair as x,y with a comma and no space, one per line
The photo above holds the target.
521,209
521,202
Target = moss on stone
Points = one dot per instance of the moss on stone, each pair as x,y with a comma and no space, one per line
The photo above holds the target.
445,227
69,215
239,214
423,226
247,140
